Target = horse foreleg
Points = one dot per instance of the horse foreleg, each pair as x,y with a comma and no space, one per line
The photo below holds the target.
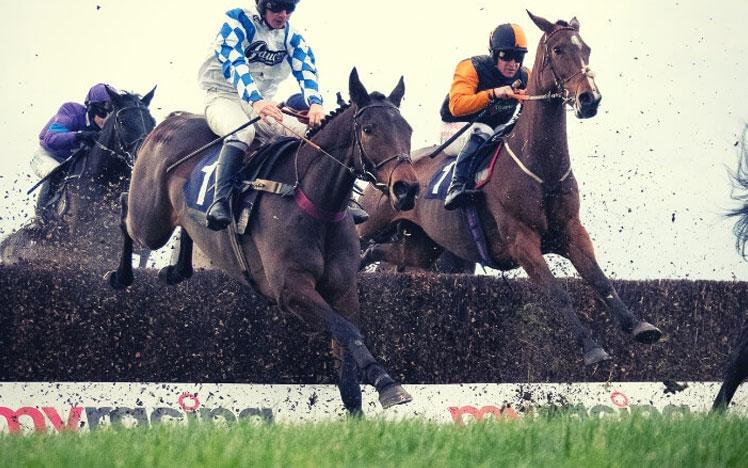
349,380
182,270
300,297
122,277
737,372
525,249
581,254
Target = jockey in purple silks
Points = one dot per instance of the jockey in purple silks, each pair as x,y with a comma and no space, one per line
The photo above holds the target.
73,127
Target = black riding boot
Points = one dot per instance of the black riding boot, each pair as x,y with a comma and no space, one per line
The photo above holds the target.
229,162
458,191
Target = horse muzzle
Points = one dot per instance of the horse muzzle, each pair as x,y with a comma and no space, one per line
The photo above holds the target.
403,195
586,103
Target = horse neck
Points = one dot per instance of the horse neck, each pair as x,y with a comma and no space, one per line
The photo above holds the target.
539,138
326,182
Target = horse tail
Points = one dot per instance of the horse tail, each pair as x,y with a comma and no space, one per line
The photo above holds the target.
740,195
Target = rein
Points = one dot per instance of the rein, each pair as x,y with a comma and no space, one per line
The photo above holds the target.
359,169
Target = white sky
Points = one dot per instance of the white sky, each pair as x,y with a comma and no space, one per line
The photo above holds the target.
652,165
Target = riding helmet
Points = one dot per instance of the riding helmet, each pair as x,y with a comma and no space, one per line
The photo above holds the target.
98,93
262,4
509,37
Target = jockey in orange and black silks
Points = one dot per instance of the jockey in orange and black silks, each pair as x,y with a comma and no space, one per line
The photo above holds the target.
476,79
478,82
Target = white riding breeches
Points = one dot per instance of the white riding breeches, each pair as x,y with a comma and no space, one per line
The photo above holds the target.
225,112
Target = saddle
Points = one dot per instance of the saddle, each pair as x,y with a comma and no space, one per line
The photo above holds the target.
252,180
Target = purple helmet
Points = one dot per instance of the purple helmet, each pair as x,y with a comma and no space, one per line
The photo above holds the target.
98,93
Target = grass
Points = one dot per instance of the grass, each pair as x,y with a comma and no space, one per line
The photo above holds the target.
699,440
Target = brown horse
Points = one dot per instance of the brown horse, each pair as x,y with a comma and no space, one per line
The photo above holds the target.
530,206
300,251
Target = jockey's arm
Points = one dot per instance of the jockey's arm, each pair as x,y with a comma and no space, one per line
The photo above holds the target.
230,53
60,135
464,99
304,70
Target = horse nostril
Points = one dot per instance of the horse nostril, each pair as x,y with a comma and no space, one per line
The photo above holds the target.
400,189
586,98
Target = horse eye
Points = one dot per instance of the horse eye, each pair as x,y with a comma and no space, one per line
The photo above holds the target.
368,129
557,50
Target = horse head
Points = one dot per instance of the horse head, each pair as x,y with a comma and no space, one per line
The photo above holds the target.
382,137
105,170
562,66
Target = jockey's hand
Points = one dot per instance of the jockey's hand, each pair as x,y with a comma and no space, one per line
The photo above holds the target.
506,92
315,115
267,109
87,136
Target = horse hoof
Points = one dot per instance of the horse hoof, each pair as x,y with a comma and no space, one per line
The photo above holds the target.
394,395
169,275
645,332
595,355
114,280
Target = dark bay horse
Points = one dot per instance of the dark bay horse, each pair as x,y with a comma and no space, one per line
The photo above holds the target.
530,206
86,213
737,364
300,251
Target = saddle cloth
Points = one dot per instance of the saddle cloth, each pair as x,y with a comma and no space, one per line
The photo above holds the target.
484,162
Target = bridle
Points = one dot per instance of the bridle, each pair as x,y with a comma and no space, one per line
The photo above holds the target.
363,168
364,161
561,91
126,151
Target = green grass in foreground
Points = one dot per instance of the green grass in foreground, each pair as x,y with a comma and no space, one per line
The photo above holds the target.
556,441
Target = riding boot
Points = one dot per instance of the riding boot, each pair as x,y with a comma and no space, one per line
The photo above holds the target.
229,162
359,214
458,191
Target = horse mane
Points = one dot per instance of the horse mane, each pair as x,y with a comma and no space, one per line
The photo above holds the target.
740,194
328,118
342,107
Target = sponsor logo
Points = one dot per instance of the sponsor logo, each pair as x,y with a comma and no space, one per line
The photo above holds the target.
258,52
79,417
620,405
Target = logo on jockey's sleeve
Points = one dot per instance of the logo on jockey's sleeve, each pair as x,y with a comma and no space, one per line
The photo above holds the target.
258,52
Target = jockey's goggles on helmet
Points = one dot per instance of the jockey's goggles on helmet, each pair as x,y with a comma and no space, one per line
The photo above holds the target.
507,55
277,7
101,109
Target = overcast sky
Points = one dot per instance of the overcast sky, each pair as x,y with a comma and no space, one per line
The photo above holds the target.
652,165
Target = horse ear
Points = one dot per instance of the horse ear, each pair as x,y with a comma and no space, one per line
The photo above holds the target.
574,23
359,95
114,96
544,25
147,98
396,96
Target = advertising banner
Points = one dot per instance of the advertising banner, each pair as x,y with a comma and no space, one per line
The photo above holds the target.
83,406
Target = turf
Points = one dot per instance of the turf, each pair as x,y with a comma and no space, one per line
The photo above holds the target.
698,440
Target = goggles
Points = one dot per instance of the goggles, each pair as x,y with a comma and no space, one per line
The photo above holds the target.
509,55
277,7
101,109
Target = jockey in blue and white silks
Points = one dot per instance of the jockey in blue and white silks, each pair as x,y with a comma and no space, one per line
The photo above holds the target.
254,51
